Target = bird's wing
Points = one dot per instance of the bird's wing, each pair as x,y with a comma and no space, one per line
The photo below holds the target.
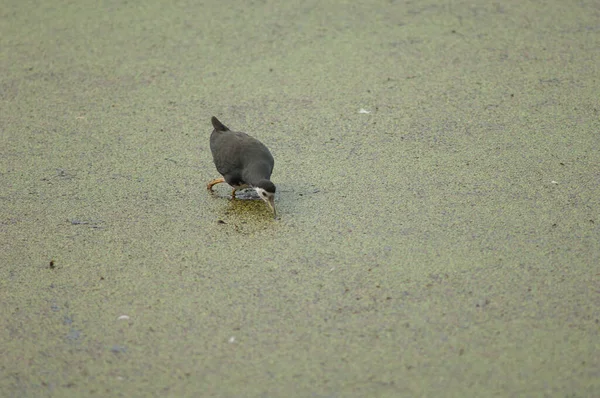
226,151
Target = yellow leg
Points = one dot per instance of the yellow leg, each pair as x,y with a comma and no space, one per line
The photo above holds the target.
214,182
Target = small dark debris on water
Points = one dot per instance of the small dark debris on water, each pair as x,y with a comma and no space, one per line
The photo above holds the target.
91,223
117,349
73,335
482,303
52,265
78,222
221,222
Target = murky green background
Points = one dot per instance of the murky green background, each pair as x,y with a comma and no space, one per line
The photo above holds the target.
445,244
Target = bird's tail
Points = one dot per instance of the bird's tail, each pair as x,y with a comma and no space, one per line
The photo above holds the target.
218,125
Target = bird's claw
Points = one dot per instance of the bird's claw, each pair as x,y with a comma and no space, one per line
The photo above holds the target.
214,182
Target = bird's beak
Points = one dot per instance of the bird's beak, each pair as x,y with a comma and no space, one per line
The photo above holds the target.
271,204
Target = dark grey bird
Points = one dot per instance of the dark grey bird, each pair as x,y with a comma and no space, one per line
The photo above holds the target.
243,161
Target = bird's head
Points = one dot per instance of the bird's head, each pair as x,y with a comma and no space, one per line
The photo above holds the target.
266,191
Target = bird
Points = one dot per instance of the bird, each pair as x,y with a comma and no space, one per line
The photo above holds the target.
243,161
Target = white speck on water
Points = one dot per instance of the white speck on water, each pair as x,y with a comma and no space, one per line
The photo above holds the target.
363,110
554,182
232,339
122,317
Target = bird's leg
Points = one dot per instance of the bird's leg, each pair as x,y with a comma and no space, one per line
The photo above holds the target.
214,182
233,193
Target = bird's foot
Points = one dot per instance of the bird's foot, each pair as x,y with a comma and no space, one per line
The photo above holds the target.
233,193
214,182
